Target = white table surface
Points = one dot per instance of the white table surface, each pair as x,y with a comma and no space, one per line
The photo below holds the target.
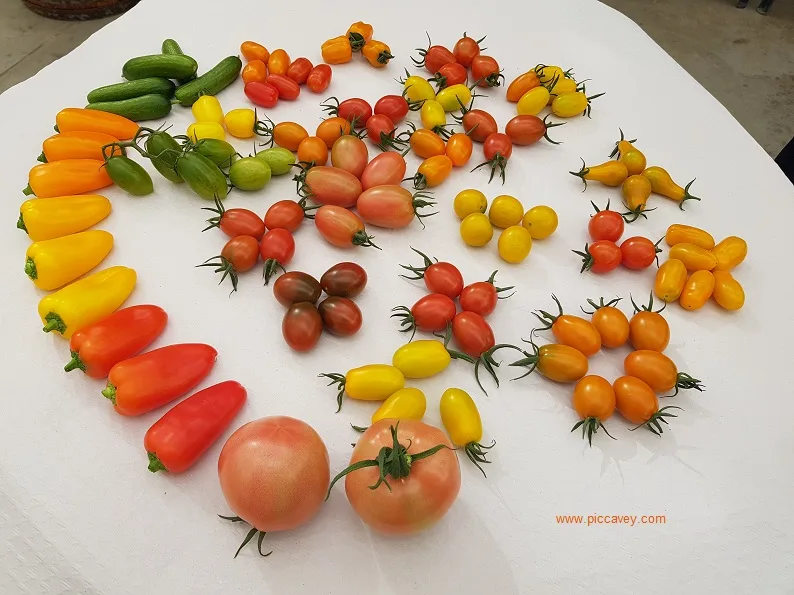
79,512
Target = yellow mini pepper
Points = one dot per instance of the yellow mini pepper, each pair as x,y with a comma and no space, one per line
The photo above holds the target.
240,122
208,109
86,301
48,218
51,264
201,130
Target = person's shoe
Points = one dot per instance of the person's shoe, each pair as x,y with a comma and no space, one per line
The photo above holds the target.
741,4
764,6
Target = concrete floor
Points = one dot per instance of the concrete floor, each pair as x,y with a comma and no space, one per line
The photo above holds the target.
745,60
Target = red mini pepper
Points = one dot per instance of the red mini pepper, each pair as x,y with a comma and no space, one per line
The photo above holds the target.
125,333
152,379
181,436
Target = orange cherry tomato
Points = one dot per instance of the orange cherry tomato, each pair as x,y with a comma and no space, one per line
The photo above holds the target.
426,143
610,322
648,330
594,402
697,290
432,172
557,362
289,135
570,330
459,148
255,71
331,129
312,149
637,402
278,62
658,371
254,51
337,50
521,84
728,292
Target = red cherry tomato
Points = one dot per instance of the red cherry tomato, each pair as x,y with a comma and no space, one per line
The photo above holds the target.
277,249
485,70
479,125
466,48
605,224
299,70
295,287
380,130
431,314
394,106
319,78
236,222
481,297
353,110
340,316
600,257
332,185
302,326
345,279
497,149
262,94
287,88
340,227
472,333
242,252
450,74
350,153
434,57
285,214
527,130
440,277
386,169
638,252
392,207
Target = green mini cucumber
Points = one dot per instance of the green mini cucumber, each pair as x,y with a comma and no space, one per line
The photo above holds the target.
211,82
170,46
130,89
146,107
169,66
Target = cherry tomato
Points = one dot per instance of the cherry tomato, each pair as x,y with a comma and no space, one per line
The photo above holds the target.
386,169
350,154
236,222
450,74
728,292
313,150
479,125
394,106
634,399
278,62
638,253
299,70
611,324
289,135
261,93
570,330
659,372
600,257
497,149
296,287
345,279
527,130
380,131
332,185
340,227
521,84
431,314
287,88
302,326
340,316
254,51
698,288
459,149
481,297
319,78
255,70
594,402
485,70
466,48
426,143
331,129
392,207
432,172
648,329
605,224
434,57
472,334
277,249
354,110
440,277
284,214
242,252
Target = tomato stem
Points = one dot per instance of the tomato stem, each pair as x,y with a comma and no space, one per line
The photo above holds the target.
360,238
600,304
497,162
653,423
249,536
687,195
407,322
222,266
590,426
581,174
649,307
340,380
477,453
419,272
271,268
546,318
587,258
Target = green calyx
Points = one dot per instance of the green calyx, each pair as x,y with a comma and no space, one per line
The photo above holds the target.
21,223
54,323
499,290
581,174
155,464
686,382
392,462
27,190
477,453
30,269
407,320
360,238
660,416
339,380
271,268
687,196
249,536
75,363
356,40
647,308
600,304
498,163
590,426
224,266
418,272
110,392
546,318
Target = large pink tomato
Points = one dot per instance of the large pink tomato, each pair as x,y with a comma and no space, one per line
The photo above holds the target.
350,153
386,169
332,186
390,206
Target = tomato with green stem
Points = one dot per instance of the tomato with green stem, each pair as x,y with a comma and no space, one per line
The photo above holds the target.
432,172
466,49
557,362
481,297
341,228
475,338
485,70
350,154
235,222
659,372
302,326
433,57
477,123
287,214
637,402
341,316
380,131
373,382
639,253
355,110
528,129
594,402
611,324
430,314
395,107
127,175
600,257
425,143
462,421
648,329
605,224
439,277
239,255
344,279
296,287
570,330
276,248
497,149
386,169
393,207
450,74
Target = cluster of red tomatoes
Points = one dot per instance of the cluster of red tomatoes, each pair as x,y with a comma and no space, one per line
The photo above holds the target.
338,313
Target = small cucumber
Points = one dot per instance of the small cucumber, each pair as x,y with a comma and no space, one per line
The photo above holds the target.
146,107
211,82
165,150
170,46
169,66
131,89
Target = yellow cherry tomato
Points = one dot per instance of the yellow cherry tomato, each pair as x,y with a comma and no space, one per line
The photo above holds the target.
373,382
697,290
406,403
610,173
694,257
452,97
728,292
416,89
563,85
462,421
663,184
421,359
207,108
201,130
729,253
240,122
540,221
533,101
568,105
433,171
469,201
636,191
515,243
546,74
630,156
476,230
432,114
670,280
506,211
686,234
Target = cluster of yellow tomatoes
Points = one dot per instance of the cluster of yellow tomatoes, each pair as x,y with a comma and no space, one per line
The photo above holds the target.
698,269
550,86
519,228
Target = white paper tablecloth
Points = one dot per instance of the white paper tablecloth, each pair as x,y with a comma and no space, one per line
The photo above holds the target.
79,512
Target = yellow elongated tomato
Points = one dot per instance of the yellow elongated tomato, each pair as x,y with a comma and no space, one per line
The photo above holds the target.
86,301
469,201
728,292
694,257
45,219
611,173
515,244
594,402
663,184
433,171
563,85
557,362
452,97
697,290
729,253
636,190
658,371
570,330
432,114
533,101
406,403
476,230
201,130
416,89
506,211
421,359
207,108
678,233
629,155
568,105
240,122
461,418
51,264
540,221
546,73
670,280
373,382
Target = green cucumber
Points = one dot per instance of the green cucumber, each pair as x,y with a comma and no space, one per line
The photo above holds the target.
131,89
211,82
170,46
146,107
169,66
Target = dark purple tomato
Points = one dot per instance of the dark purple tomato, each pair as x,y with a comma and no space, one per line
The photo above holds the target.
294,287
346,279
302,326
340,316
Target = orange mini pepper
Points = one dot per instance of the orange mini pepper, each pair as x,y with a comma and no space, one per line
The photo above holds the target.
337,50
377,53
67,177
78,145
79,119
358,34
